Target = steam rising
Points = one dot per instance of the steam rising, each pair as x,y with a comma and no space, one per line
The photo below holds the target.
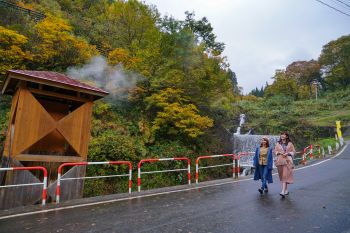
113,79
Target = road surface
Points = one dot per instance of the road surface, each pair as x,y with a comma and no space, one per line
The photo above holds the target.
319,201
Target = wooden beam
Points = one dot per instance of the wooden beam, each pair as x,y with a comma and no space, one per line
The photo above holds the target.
48,158
8,79
57,95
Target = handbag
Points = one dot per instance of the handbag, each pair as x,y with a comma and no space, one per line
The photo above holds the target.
280,161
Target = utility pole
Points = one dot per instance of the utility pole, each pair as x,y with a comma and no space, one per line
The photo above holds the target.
316,83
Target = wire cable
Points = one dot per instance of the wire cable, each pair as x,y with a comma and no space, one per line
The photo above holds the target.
332,7
340,6
343,3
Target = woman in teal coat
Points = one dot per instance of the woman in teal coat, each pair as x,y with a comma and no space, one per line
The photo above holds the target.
263,164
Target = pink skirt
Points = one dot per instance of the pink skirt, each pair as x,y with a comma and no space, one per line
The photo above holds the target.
285,173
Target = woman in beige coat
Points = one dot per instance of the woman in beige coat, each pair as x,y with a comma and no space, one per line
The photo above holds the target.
285,152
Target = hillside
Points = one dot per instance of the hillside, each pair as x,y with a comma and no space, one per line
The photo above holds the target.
306,120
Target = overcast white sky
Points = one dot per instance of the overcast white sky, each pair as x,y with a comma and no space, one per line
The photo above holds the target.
264,35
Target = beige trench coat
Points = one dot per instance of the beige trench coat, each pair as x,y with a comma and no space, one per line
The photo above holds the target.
285,172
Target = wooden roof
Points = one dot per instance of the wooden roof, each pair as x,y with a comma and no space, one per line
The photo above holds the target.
48,78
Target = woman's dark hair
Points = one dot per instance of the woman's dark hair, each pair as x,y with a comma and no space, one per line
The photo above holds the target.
287,138
267,142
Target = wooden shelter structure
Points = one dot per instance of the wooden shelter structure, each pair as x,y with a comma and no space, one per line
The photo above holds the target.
49,124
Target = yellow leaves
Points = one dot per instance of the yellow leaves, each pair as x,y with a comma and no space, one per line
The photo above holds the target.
12,52
164,97
101,108
176,116
9,37
56,46
25,5
182,119
120,55
52,27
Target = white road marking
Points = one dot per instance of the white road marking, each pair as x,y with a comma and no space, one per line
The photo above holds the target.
154,194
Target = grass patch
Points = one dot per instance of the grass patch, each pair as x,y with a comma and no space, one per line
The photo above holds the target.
329,118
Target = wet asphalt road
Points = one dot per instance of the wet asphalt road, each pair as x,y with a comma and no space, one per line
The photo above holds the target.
319,201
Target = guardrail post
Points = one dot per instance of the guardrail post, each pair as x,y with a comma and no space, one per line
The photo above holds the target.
197,170
323,153
58,187
330,150
189,171
130,177
44,195
307,153
311,152
236,167
139,177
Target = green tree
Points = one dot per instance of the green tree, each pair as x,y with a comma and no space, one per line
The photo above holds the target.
203,32
335,63
282,85
206,79
129,24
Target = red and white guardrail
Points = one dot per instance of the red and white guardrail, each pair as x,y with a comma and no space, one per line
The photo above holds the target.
309,150
318,150
162,159
44,183
249,159
220,165
59,179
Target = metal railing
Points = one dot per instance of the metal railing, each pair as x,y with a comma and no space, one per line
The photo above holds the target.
220,165
188,169
36,15
59,178
44,183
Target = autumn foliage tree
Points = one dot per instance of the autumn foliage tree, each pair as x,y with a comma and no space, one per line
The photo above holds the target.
185,86
305,73
330,71
297,81
55,48
13,52
175,115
